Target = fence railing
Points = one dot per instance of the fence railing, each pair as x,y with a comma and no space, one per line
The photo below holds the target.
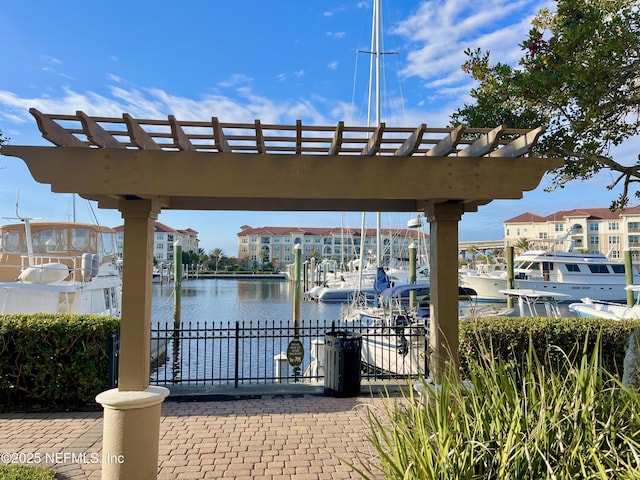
254,352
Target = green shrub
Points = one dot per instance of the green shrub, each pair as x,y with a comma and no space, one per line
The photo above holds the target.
55,361
524,421
25,472
511,337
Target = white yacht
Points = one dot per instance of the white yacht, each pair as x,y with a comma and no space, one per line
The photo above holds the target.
59,267
571,273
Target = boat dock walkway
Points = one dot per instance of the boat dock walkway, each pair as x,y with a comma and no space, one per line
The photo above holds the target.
249,434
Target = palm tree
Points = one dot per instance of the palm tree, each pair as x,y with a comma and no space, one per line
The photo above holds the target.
523,244
216,254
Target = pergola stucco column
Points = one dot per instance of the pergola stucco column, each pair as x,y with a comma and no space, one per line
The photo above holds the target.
132,411
443,266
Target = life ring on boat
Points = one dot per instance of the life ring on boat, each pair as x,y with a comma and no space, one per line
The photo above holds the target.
45,273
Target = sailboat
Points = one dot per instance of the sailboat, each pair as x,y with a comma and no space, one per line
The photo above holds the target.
395,338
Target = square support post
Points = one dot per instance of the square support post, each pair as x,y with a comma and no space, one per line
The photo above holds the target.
443,258
131,429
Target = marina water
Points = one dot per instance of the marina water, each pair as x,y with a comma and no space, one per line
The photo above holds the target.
229,300
211,345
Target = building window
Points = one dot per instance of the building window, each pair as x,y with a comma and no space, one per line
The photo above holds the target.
543,235
559,227
593,240
614,226
614,240
634,241
634,227
593,227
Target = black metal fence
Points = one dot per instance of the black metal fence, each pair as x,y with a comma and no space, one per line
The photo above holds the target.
254,352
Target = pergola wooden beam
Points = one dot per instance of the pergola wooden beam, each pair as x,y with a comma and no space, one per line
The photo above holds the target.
448,143
221,141
411,144
336,142
179,136
54,132
520,146
260,146
373,145
96,134
485,144
139,136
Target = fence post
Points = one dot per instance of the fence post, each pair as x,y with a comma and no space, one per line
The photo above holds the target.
237,355
114,351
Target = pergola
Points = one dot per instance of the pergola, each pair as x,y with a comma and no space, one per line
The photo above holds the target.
141,166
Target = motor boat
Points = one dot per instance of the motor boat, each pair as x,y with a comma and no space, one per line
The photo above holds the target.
59,267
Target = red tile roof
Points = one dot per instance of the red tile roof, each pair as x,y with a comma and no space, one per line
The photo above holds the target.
590,213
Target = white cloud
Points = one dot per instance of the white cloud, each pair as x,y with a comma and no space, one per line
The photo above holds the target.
336,35
235,80
441,30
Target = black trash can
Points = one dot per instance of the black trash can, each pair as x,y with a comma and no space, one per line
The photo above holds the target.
342,373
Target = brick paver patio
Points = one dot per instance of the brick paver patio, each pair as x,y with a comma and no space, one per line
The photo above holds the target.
270,437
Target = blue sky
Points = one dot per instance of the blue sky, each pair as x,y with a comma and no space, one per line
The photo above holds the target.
276,61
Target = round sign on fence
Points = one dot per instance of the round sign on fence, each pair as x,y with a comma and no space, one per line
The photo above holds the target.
295,353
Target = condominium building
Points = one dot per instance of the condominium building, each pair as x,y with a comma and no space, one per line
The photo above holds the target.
275,244
594,230
163,240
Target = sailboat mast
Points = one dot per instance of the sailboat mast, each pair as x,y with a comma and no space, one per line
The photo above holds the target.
375,58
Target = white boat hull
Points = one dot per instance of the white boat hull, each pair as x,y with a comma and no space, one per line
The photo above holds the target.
607,311
488,288
385,351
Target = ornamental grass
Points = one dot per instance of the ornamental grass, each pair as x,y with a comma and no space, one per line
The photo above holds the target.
524,420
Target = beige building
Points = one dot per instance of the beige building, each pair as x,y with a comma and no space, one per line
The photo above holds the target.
163,239
594,230
275,244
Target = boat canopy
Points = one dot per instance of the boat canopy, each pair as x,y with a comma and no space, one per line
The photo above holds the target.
402,289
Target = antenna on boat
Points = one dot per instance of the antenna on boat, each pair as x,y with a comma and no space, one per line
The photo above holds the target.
27,229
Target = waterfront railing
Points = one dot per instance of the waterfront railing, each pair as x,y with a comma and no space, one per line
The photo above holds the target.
255,352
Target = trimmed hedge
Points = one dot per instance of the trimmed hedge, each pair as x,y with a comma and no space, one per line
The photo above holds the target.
54,360
551,338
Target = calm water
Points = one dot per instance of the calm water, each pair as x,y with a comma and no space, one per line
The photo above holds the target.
230,300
